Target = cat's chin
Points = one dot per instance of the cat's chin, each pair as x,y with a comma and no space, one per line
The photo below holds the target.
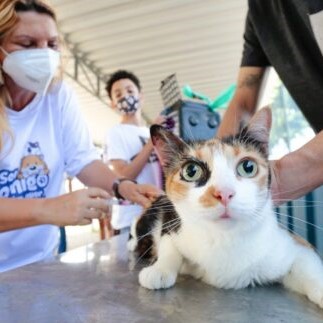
222,218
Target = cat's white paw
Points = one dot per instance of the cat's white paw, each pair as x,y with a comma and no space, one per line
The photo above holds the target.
316,296
153,278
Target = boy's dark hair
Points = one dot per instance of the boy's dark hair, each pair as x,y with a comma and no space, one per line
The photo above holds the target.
119,75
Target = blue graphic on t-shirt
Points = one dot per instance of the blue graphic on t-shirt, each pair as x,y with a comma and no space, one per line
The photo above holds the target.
31,186
33,148
28,181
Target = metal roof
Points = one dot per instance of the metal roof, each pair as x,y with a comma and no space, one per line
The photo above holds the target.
199,40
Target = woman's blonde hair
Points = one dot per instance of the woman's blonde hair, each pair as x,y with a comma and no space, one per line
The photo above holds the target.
9,10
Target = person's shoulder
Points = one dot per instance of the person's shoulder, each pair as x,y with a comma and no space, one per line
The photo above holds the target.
125,127
260,6
124,130
116,129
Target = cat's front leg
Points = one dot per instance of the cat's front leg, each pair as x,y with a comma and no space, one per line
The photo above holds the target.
163,273
306,276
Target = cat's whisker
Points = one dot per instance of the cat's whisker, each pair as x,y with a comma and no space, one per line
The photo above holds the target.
287,191
301,220
296,226
166,225
142,256
302,238
303,206
165,210
160,204
301,199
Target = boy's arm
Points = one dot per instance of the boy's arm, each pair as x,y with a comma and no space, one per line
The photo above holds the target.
132,170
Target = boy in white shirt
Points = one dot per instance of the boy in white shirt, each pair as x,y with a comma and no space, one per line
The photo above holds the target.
129,148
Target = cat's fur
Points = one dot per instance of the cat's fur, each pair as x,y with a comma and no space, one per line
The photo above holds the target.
221,227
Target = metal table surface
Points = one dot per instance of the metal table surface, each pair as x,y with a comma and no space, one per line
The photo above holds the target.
97,283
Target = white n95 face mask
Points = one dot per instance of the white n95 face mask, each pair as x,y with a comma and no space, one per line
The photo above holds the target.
32,69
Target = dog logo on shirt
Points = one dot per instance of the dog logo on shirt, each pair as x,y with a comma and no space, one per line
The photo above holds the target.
32,165
30,179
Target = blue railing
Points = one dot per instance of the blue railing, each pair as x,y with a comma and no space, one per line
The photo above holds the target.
304,217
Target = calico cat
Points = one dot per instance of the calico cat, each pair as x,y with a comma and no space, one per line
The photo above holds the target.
216,221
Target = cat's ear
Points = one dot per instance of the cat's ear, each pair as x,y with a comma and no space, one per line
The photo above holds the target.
168,146
260,124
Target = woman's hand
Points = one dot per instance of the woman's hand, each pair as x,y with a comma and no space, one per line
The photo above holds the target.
76,208
142,194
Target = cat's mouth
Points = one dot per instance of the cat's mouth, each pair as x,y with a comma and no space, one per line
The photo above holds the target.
225,215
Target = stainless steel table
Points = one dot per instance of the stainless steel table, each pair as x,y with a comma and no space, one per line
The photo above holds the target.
98,283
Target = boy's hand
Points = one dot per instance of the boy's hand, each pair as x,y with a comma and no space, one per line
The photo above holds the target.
160,120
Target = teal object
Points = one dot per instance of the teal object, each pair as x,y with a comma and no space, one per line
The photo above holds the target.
220,102
187,90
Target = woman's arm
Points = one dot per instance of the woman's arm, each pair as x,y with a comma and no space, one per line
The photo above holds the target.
76,208
97,174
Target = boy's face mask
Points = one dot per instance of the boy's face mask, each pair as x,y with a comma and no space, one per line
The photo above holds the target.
32,69
128,105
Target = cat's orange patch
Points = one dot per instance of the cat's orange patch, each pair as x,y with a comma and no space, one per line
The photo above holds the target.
207,199
262,180
199,154
176,189
301,241
206,154
236,150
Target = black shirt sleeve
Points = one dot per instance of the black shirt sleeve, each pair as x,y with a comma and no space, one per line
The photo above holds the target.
253,54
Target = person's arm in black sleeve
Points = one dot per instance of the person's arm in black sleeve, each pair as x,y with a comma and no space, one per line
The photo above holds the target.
243,103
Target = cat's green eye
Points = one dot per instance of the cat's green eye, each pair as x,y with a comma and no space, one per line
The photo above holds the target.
192,172
247,168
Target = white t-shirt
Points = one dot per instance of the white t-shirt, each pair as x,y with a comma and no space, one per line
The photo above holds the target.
125,142
50,139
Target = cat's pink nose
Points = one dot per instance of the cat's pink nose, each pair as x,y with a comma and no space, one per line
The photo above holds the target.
224,196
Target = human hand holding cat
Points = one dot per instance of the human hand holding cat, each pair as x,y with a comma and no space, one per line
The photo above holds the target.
142,194
298,172
274,186
76,208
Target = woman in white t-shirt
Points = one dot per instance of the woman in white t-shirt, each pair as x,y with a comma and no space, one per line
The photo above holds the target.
42,137
129,148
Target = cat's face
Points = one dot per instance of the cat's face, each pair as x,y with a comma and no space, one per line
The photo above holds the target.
224,182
